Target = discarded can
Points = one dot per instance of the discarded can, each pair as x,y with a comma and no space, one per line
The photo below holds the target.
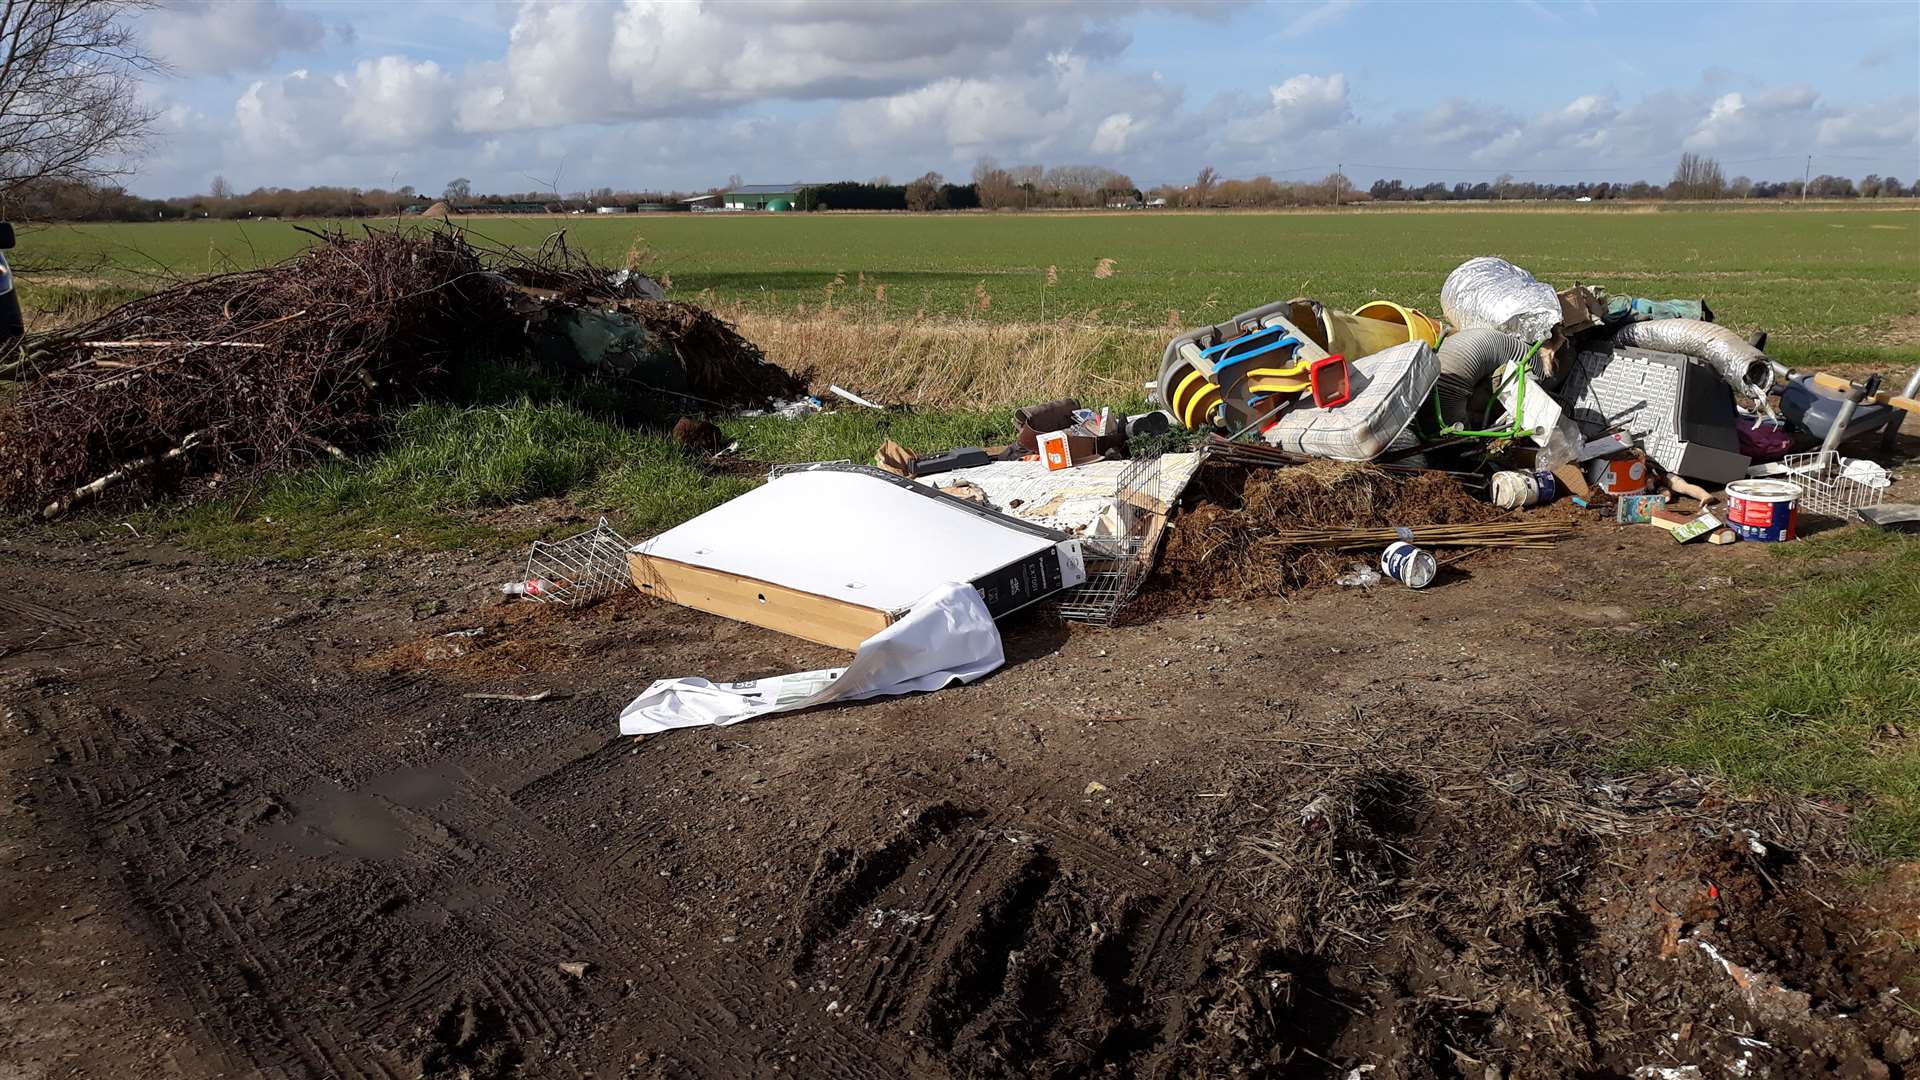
1764,510
1409,565
1513,489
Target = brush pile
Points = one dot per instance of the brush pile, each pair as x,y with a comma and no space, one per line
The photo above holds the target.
1255,532
245,372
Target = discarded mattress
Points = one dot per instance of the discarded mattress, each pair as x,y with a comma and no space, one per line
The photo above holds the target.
836,553
946,636
1082,501
1387,389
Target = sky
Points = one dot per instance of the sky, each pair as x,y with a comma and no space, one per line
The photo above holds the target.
645,95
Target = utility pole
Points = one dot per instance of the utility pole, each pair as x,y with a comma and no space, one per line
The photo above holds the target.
1340,181
1804,177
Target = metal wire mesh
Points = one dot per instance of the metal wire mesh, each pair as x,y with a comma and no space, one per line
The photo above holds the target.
1826,490
1117,566
577,569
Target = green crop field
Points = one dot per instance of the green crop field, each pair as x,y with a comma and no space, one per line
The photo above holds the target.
1833,285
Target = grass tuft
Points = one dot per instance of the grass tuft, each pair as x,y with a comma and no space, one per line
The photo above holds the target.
1819,696
447,462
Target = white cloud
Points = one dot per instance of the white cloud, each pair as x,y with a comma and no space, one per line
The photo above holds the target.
383,103
648,58
1112,134
1885,125
201,37
1302,106
1063,114
1746,123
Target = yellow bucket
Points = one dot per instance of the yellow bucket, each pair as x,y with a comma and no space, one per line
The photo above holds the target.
1417,325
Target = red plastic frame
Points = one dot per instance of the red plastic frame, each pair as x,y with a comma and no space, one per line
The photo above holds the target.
1318,376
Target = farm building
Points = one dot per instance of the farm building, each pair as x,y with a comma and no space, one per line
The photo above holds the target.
764,197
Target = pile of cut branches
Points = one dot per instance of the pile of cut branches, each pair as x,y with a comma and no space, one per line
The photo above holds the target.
245,372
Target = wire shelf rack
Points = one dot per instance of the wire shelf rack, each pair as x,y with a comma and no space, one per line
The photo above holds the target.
1827,489
579,568
1117,566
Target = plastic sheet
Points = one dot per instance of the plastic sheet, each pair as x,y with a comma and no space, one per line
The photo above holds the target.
1738,363
1494,293
947,637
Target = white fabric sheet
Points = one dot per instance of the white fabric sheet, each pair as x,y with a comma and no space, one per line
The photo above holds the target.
947,635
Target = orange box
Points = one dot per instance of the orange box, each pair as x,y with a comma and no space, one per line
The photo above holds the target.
1055,451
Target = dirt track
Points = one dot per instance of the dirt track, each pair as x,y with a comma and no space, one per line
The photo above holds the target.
253,828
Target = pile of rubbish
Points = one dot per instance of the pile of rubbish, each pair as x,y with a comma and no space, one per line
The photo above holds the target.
245,372
1292,445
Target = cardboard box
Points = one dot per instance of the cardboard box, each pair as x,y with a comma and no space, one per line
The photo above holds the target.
1064,450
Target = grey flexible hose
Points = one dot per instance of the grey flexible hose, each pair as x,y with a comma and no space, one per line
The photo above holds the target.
1468,358
1738,363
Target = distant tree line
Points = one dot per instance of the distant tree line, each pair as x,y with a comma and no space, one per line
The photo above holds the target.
929,192
1695,177
993,187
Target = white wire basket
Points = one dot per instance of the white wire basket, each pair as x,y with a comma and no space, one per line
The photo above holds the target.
1828,488
579,568
1117,566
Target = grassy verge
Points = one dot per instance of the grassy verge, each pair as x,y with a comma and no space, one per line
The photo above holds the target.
1817,696
447,465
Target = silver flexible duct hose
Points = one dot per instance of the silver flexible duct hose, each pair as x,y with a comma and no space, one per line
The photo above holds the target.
1468,358
1738,363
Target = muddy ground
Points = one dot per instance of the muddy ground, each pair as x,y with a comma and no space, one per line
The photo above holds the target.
254,825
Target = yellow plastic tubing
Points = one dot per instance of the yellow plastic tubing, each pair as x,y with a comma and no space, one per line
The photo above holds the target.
1414,324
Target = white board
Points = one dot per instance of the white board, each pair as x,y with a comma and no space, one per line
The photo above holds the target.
848,536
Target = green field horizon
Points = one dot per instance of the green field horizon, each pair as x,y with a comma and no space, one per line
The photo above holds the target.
1831,285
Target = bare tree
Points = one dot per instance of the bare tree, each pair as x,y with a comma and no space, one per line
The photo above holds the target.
69,70
1696,177
459,190
218,188
925,193
1202,189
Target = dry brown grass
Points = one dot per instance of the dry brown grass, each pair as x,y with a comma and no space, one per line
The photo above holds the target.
942,362
54,302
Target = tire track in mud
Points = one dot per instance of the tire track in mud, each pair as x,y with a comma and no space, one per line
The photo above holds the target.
997,943
336,922
152,777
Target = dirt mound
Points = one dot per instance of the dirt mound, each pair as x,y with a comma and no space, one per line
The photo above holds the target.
1218,548
1421,900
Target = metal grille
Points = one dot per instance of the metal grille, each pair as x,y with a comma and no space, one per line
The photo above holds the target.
1117,566
1825,489
577,569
